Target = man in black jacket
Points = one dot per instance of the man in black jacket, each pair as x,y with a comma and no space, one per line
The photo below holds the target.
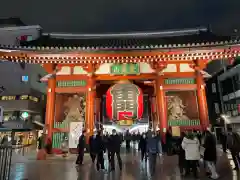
114,147
93,148
128,140
81,147
100,146
143,147
106,145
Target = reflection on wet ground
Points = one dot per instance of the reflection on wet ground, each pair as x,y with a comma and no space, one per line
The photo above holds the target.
65,169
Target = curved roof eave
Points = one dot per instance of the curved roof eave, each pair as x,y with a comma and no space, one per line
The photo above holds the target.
166,33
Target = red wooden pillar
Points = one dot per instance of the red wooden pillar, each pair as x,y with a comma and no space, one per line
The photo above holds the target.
90,101
202,101
161,107
50,107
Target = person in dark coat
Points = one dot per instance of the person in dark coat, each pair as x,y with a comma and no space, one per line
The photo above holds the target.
106,145
223,140
143,147
138,136
210,154
40,141
121,136
134,140
153,150
81,147
168,145
114,147
233,144
100,149
149,133
4,140
48,146
181,154
93,147
127,140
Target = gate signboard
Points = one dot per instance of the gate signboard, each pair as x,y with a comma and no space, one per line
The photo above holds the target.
125,69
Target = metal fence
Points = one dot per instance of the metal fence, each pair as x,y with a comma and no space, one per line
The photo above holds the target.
5,161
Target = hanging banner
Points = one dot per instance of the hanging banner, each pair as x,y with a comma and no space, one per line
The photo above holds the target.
75,132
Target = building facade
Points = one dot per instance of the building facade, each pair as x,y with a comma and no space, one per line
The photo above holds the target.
229,86
215,69
21,91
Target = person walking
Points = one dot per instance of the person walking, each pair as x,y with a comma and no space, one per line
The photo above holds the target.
127,139
158,134
153,150
100,150
114,147
93,146
191,146
223,140
168,145
81,147
143,147
40,142
210,154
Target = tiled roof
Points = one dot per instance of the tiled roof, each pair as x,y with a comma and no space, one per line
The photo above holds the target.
133,42
182,45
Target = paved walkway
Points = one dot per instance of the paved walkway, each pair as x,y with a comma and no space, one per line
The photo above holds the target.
58,168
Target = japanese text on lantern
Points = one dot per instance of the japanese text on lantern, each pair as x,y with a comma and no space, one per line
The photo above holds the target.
124,69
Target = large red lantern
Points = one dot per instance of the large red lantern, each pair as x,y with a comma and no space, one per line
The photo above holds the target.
124,101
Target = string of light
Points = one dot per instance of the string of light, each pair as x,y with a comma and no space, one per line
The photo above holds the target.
98,58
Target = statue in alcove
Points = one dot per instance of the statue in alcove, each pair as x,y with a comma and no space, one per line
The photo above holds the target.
176,109
75,108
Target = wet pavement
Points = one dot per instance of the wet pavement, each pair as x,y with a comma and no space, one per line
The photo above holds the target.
58,168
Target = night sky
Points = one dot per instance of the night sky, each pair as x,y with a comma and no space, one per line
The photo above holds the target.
91,16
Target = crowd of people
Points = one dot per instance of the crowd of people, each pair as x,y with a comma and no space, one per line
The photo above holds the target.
148,143
193,148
